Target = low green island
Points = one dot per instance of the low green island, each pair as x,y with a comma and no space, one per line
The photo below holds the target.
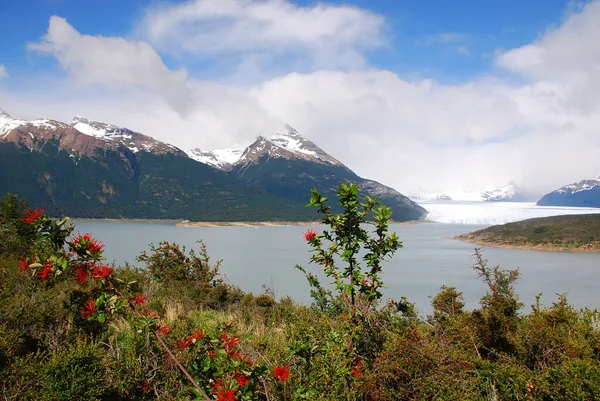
580,233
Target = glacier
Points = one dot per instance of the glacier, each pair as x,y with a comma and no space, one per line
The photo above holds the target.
492,213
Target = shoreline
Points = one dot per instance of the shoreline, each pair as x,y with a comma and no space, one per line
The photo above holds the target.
187,223
540,247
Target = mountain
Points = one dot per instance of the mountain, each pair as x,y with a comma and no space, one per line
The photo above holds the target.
584,193
510,192
289,166
117,173
134,141
221,159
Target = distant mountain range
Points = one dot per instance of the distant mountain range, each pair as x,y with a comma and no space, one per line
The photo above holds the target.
94,169
510,192
585,193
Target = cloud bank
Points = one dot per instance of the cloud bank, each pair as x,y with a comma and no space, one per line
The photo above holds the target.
533,119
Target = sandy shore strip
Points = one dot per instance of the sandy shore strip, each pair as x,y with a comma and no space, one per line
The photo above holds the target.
540,247
188,223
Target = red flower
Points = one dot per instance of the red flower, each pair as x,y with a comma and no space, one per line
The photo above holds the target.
281,373
46,271
149,313
230,343
85,243
164,330
212,354
140,299
101,272
23,264
81,273
226,395
31,216
217,384
242,380
357,369
310,234
197,334
147,385
89,308
182,344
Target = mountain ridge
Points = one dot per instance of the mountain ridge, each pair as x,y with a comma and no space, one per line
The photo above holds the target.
112,171
584,193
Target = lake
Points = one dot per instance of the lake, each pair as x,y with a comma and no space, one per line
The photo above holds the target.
257,256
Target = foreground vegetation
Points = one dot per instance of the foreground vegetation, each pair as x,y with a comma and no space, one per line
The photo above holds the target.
556,233
74,329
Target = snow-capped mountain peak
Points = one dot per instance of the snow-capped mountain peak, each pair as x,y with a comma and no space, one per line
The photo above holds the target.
7,123
124,136
504,192
288,144
584,185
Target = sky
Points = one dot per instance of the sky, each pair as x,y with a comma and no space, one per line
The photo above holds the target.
427,96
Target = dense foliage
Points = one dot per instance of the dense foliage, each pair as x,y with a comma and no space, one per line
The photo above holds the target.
142,185
76,329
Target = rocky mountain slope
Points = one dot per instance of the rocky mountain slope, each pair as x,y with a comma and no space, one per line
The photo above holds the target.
585,193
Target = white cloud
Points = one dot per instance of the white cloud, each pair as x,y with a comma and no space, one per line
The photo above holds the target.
113,61
414,135
325,36
3,73
568,55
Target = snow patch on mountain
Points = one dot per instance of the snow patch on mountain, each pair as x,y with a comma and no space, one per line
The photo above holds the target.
100,130
584,185
135,141
221,159
7,123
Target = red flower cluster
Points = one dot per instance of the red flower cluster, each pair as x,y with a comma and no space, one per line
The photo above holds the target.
230,342
46,272
101,272
23,264
242,380
31,216
281,373
357,369
197,334
310,234
89,308
164,330
226,395
81,272
85,243
139,299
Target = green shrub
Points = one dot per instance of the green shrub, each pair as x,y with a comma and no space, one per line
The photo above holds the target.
75,373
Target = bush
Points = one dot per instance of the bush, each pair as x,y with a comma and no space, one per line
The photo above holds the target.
169,262
76,374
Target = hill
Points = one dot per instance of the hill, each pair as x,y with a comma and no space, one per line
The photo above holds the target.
556,233
585,193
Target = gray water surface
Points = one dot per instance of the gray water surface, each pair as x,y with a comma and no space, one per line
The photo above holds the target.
257,256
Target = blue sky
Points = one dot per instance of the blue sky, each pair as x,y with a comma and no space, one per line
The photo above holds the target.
466,95
446,40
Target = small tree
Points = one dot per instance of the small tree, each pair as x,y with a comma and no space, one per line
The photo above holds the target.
499,315
170,262
345,239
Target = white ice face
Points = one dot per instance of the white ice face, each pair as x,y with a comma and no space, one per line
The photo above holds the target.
491,213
